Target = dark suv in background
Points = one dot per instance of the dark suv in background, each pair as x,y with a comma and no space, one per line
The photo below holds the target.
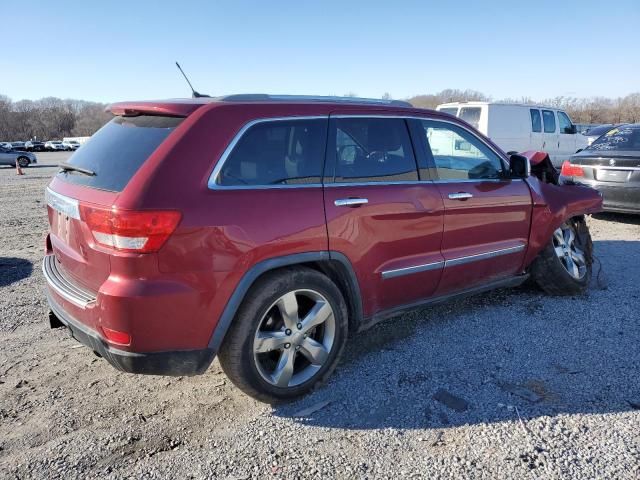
267,229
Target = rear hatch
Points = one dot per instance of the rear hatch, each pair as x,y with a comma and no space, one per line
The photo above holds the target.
85,229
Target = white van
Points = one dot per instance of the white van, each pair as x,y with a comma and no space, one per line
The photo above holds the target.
515,127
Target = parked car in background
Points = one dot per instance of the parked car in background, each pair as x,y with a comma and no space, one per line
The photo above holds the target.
71,145
299,222
6,145
54,145
519,128
611,164
10,157
18,146
34,146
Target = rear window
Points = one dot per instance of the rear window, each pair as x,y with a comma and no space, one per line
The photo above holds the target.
620,138
470,115
118,150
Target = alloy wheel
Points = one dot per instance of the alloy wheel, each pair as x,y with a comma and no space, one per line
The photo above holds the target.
294,338
571,256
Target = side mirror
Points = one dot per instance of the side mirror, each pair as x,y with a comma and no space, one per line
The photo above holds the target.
519,166
571,130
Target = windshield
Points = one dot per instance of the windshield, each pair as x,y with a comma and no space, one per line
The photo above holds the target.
118,150
450,110
620,138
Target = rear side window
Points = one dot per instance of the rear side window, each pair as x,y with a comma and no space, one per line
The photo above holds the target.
536,121
549,121
373,150
471,115
287,152
118,150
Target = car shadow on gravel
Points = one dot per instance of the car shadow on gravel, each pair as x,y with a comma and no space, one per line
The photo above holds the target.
492,358
626,218
13,270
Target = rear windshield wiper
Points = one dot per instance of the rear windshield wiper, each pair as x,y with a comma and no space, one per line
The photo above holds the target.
67,167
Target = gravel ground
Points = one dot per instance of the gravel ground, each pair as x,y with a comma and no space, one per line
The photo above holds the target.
528,386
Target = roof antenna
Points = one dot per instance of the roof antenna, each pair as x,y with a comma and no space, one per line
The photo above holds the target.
194,94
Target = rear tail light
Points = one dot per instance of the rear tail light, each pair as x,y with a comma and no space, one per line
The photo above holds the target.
117,337
130,231
569,170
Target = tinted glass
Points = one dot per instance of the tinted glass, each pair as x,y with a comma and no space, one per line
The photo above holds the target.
625,138
565,123
549,121
536,121
373,150
459,155
451,111
471,115
288,152
597,131
118,150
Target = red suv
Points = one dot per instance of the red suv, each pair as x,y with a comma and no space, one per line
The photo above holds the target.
265,230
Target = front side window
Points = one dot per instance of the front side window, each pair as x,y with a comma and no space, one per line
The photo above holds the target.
283,152
373,150
471,115
536,120
549,121
459,155
565,124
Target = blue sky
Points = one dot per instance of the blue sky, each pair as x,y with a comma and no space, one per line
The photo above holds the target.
116,50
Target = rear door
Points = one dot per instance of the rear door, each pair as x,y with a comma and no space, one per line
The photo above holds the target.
379,214
487,216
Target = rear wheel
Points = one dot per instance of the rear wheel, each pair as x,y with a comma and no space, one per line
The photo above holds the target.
287,336
23,162
564,266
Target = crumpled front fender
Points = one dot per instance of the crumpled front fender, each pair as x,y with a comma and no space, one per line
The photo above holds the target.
552,206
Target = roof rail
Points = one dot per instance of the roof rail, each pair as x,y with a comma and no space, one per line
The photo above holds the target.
263,97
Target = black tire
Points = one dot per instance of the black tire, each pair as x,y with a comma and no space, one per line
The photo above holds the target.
552,275
23,162
236,354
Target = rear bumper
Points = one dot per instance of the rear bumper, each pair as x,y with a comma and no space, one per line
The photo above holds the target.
177,363
617,197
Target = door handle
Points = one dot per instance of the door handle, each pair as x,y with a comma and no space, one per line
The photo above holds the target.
460,196
350,202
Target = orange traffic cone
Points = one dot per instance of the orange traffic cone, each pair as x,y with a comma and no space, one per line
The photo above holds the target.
19,169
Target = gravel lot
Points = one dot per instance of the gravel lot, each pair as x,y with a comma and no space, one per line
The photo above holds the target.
543,387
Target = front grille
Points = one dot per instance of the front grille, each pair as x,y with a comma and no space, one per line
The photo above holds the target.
66,288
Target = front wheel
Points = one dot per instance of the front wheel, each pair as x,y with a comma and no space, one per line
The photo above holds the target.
23,162
564,266
287,336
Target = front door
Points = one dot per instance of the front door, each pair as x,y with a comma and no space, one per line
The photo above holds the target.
379,214
487,216
550,133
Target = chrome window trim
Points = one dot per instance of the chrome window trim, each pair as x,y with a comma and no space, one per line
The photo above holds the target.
62,203
483,256
213,185
398,272
213,178
413,117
